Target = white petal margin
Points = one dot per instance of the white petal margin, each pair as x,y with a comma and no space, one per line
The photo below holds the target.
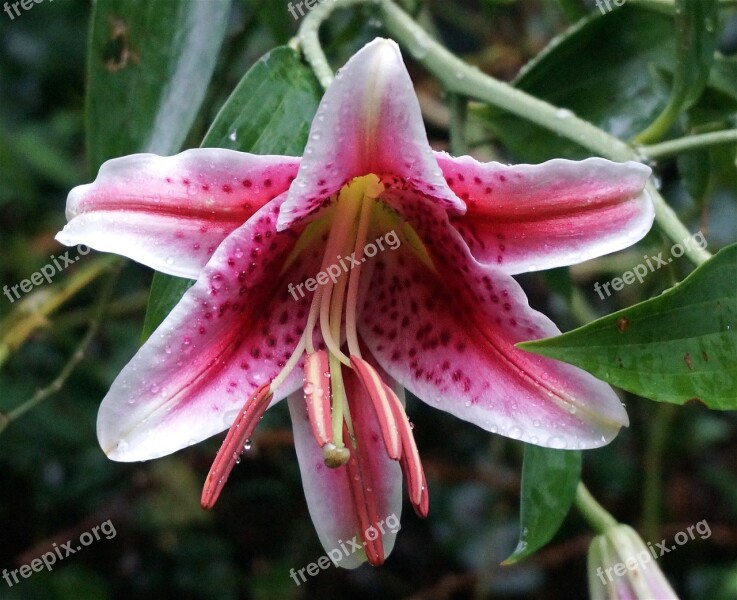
171,212
328,493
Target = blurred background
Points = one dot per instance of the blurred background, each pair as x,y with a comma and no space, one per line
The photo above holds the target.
57,484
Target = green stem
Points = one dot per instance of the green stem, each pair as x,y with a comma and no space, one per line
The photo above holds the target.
77,356
660,126
462,79
309,37
33,311
667,6
595,514
458,110
689,143
652,487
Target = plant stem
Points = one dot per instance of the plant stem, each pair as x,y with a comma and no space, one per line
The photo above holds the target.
77,356
689,143
595,514
458,109
32,312
652,486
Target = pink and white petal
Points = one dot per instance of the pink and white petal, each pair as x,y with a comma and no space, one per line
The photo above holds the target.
171,212
448,335
328,491
369,121
532,217
231,332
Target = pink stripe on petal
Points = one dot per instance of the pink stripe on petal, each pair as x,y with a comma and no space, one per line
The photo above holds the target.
448,337
531,217
171,213
232,332
369,121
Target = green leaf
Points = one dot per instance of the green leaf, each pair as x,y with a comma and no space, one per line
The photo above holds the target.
616,87
696,36
271,109
549,481
696,32
676,347
269,112
150,62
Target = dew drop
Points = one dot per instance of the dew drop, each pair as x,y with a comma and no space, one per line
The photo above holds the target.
236,457
247,445
233,136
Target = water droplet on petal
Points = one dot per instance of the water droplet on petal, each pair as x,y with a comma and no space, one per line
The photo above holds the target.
557,442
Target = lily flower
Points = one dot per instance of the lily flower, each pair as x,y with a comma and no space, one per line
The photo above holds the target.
337,280
621,567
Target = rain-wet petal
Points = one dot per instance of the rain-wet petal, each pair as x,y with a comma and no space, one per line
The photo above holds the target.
171,212
328,491
447,332
230,333
369,121
531,217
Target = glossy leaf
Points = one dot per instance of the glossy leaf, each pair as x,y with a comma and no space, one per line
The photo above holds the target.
696,39
269,112
150,62
676,347
549,481
602,71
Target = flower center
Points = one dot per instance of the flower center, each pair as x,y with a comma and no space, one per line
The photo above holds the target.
356,212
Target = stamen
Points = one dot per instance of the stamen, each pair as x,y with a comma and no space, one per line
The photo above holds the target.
335,457
355,275
234,443
339,404
410,460
325,328
311,320
364,501
317,396
377,392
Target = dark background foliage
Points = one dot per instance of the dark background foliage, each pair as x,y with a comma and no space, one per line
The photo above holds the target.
57,483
